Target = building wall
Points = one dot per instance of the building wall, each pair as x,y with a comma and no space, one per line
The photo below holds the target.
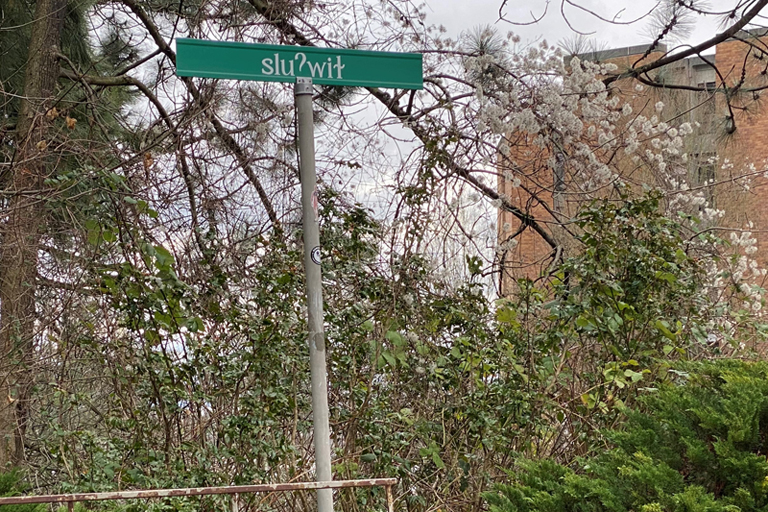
749,143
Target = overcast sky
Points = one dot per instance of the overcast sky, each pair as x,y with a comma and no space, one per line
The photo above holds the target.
460,15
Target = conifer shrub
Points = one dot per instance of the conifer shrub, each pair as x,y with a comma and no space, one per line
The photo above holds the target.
11,485
698,443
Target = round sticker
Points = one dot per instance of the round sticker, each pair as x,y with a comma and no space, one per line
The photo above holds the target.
315,255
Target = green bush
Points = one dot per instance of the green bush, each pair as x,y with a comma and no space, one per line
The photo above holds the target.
697,444
10,485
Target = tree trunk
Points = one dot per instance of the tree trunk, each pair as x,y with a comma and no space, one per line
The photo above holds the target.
21,231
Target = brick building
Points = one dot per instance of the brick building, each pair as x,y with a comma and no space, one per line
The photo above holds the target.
727,140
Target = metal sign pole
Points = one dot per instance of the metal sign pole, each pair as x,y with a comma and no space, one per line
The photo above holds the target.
322,432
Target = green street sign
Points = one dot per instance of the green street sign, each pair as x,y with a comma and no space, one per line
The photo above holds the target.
278,63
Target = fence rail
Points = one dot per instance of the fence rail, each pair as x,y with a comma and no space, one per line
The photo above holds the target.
70,499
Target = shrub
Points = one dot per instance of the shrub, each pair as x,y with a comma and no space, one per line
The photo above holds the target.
10,485
697,444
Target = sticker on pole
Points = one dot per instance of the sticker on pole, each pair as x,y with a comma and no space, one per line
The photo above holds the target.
315,255
315,202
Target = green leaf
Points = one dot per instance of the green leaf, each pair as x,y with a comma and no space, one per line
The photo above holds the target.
389,358
109,236
195,324
94,237
589,400
163,257
585,323
666,276
508,316
663,327
437,460
395,338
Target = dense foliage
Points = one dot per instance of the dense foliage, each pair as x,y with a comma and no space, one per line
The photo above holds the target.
434,384
696,443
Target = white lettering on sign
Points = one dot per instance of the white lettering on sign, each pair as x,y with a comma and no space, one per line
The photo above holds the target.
285,67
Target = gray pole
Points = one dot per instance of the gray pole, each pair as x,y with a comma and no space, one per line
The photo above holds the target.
322,432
